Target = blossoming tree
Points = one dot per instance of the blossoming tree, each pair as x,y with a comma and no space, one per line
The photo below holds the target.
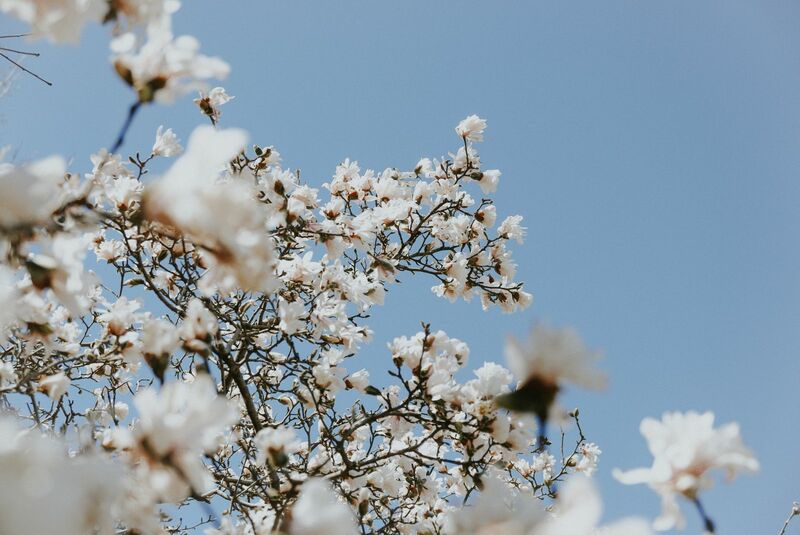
174,350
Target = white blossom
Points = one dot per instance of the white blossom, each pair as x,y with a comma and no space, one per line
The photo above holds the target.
471,128
167,143
686,447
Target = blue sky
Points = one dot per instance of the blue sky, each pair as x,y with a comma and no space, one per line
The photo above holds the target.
651,146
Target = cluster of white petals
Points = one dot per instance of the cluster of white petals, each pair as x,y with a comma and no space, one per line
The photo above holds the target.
686,447
500,509
181,353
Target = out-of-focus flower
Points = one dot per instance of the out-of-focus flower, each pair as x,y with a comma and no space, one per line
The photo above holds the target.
175,427
318,511
61,21
275,444
544,362
55,385
499,509
686,447
42,490
164,67
30,193
223,218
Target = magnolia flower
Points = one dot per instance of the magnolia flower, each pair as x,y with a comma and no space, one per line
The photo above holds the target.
211,103
291,314
142,12
167,143
176,426
500,510
29,194
471,128
318,511
120,316
578,511
43,490
198,326
358,380
511,228
60,21
543,363
165,66
685,448
222,217
274,445
59,267
55,385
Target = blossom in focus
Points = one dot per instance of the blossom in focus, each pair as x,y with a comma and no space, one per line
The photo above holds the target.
471,128
211,103
167,143
686,447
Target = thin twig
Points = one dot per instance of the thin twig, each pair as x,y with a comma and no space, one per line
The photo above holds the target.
6,49
126,125
708,524
793,513
26,70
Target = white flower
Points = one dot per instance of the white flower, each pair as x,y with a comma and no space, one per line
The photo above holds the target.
159,337
42,490
30,193
578,511
60,21
318,511
7,374
471,128
120,316
176,425
211,103
497,509
554,356
198,323
511,228
358,380
164,67
55,385
589,455
223,218
9,295
60,268
275,445
489,180
685,448
167,143
291,314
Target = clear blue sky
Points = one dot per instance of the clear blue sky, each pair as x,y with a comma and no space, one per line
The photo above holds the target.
651,146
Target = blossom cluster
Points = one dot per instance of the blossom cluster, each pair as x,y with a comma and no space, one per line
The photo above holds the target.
177,352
